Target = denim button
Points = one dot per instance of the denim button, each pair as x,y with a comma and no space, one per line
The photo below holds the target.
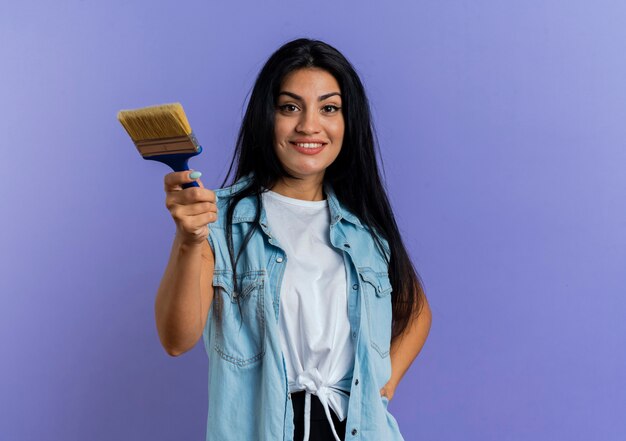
354,335
354,431
347,245
356,382
355,286
279,259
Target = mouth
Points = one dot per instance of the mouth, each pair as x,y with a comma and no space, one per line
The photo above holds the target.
308,148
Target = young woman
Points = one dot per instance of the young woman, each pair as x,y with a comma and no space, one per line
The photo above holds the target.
295,275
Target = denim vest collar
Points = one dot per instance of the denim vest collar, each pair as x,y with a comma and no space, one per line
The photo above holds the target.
245,211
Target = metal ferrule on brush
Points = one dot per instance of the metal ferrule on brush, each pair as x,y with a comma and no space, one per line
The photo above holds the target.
173,145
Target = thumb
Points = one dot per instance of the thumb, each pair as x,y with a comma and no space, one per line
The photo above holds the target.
194,175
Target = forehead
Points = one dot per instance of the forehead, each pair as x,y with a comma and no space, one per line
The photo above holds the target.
310,80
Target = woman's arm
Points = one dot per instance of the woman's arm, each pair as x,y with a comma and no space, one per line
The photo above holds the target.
184,296
405,348
186,292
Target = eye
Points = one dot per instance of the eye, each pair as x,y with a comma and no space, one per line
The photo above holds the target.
288,108
330,108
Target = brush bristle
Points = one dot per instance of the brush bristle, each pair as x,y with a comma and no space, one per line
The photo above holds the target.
155,122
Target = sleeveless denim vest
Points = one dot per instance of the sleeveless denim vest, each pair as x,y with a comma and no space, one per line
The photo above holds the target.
248,393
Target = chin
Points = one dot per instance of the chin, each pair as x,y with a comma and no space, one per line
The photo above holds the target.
303,172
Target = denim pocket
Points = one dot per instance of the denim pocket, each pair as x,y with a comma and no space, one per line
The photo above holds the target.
377,289
239,316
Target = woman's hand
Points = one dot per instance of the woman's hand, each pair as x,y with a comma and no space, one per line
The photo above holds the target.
192,208
388,390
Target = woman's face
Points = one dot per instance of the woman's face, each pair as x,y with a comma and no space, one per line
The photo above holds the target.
309,124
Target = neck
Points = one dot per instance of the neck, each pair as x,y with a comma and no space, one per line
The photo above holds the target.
304,189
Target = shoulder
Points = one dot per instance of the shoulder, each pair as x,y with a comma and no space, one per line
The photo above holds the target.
354,225
245,207
231,190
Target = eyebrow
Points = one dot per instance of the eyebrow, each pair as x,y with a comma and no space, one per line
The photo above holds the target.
320,98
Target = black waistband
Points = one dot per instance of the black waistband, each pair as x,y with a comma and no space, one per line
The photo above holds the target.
317,409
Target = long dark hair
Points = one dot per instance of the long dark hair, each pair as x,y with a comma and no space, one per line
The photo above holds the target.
354,175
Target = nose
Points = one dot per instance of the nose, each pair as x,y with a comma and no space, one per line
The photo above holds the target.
308,123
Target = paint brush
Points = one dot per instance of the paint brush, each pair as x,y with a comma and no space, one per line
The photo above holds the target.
162,133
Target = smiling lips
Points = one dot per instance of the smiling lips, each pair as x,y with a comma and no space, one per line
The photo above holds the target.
308,148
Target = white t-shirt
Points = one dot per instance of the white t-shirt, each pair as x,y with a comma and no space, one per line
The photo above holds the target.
313,318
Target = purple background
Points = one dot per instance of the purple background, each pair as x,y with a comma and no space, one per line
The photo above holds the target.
502,126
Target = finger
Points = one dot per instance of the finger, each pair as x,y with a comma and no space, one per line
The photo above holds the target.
195,209
193,223
194,195
190,196
174,181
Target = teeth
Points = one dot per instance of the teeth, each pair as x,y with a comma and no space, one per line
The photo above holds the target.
309,145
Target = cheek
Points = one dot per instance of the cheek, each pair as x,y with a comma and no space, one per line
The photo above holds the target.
338,129
281,129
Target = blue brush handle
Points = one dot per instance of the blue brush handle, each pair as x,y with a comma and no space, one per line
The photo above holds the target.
178,163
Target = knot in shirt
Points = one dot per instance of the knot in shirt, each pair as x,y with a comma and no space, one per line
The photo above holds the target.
331,397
